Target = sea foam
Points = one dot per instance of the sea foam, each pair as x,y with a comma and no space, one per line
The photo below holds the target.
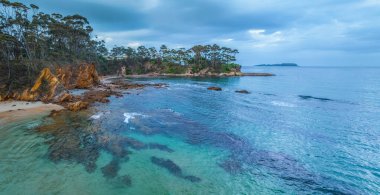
96,116
129,116
283,104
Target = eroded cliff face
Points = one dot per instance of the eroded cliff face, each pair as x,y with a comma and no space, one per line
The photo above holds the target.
51,87
82,77
45,88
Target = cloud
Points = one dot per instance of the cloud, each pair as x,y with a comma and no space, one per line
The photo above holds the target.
134,44
262,39
263,31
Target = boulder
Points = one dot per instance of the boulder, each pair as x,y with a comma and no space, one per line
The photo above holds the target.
215,88
76,106
66,97
242,91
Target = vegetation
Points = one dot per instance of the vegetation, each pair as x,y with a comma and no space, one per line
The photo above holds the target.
31,40
165,60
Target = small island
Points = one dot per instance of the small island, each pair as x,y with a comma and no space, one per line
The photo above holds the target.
280,65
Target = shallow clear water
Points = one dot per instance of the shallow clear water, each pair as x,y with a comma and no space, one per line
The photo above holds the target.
306,130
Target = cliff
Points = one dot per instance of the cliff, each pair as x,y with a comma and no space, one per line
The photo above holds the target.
49,87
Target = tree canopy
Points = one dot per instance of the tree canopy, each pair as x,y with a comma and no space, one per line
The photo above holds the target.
31,40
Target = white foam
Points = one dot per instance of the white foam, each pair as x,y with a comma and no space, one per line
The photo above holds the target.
172,111
96,116
129,116
283,104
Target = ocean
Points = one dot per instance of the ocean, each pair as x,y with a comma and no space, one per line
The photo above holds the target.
305,130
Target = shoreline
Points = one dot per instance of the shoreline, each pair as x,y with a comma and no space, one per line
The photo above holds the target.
16,111
233,74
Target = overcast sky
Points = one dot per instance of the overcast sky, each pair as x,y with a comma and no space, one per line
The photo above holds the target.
310,33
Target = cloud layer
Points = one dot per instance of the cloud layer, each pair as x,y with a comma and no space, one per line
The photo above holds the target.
322,32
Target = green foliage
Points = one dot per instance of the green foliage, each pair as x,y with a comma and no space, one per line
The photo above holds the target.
31,40
176,61
230,67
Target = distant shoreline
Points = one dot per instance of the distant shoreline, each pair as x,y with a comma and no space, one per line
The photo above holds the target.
280,65
238,74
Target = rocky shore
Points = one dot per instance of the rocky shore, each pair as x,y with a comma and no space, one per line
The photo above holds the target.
55,88
53,91
232,74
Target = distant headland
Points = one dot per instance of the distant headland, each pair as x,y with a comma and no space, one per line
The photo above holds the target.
282,64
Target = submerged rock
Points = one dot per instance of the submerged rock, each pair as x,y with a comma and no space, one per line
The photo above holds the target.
160,147
242,91
126,180
307,97
173,168
111,169
231,166
167,164
215,88
192,178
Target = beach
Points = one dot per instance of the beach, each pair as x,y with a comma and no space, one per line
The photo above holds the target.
15,111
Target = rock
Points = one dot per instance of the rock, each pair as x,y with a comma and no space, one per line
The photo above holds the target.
46,87
66,97
215,88
87,76
122,72
192,178
167,164
84,78
160,147
242,91
257,74
76,106
111,169
126,180
173,168
98,96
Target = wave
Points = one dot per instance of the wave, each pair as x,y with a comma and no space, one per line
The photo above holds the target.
100,114
132,115
172,111
96,116
283,104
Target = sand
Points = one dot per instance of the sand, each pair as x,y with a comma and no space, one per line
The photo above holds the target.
16,111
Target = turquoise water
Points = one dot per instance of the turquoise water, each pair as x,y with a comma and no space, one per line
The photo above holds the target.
306,130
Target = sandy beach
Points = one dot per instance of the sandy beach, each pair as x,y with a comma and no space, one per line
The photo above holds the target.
14,111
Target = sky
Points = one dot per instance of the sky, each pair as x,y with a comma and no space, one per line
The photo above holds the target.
310,33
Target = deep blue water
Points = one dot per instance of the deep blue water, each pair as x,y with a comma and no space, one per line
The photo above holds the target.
306,130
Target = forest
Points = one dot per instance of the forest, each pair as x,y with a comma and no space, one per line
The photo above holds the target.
31,40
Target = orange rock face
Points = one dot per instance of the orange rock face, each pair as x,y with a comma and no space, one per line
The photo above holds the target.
46,87
87,76
82,77
49,86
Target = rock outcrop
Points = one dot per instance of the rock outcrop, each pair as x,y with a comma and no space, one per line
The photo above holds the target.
45,88
50,87
82,77
87,76
76,106
242,91
215,88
